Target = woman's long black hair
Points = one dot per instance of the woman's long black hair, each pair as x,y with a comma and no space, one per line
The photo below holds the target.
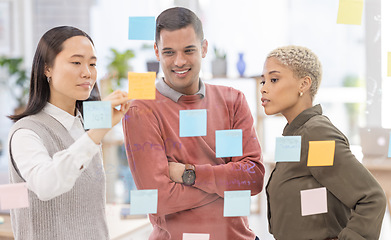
48,47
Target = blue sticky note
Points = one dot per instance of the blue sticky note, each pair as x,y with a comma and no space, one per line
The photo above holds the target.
288,149
192,123
237,203
229,143
389,147
141,28
97,114
143,201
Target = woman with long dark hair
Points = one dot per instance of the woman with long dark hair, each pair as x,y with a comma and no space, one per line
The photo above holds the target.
49,149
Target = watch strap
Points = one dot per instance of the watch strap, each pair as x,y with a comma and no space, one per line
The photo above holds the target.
189,167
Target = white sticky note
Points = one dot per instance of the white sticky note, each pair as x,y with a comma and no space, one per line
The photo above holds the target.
196,236
313,201
13,196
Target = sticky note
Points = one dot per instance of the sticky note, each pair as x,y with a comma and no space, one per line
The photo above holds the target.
141,28
288,149
229,143
321,153
389,147
97,114
142,85
13,196
143,201
313,201
192,123
350,12
237,203
389,64
196,236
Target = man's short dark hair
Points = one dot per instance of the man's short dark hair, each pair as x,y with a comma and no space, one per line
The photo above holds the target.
177,18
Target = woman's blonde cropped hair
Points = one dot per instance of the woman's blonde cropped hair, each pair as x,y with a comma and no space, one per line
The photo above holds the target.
302,61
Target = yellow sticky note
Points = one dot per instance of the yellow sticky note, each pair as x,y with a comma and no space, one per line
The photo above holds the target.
142,85
321,153
389,64
350,12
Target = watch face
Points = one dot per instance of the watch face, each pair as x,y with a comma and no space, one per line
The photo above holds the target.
188,177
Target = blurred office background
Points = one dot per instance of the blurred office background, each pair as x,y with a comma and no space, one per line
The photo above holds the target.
355,90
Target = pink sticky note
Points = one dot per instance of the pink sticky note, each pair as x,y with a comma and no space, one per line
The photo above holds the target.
13,196
313,201
196,236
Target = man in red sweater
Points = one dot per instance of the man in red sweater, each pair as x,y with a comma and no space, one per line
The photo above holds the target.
190,179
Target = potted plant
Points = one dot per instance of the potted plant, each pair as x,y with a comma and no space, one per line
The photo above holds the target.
118,70
219,64
18,81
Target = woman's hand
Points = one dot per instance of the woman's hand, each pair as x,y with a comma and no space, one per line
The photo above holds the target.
118,98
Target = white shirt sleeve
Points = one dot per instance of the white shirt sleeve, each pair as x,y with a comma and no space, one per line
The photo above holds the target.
45,176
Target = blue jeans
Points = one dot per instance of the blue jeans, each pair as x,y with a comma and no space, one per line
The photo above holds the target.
256,238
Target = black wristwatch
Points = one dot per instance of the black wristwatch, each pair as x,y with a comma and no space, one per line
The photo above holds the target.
189,175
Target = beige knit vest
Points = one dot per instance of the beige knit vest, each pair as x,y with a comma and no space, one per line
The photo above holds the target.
76,214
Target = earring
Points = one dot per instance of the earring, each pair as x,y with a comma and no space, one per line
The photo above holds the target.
49,79
301,94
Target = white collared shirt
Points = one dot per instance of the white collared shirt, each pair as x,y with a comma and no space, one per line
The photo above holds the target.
50,177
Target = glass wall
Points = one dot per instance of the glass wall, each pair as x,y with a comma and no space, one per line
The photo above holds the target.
346,91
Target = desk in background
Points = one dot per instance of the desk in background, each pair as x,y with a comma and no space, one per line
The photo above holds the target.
118,228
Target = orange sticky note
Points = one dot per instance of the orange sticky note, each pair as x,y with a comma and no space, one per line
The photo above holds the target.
321,153
142,85
13,196
350,12
389,64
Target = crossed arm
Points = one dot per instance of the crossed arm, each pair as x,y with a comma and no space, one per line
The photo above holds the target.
152,169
